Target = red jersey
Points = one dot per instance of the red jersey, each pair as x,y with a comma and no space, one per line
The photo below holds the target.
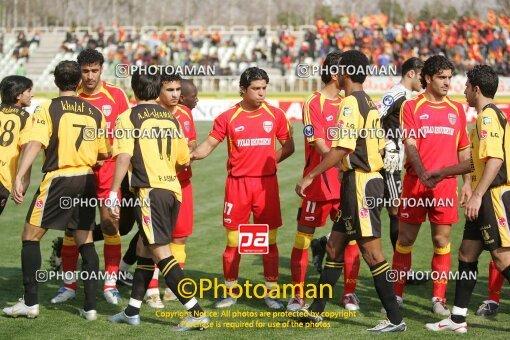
185,118
111,100
251,138
438,128
319,114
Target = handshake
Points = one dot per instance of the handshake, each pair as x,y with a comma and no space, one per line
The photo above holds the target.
431,178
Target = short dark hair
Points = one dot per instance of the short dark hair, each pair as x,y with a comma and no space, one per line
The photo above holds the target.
187,86
146,86
67,75
485,78
359,61
90,56
252,74
170,77
12,86
332,59
412,64
434,65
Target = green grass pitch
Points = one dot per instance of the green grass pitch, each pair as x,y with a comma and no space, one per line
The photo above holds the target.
204,250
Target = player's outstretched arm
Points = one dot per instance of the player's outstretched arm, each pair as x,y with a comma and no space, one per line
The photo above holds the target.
30,152
466,192
332,158
286,150
415,160
205,148
490,172
121,168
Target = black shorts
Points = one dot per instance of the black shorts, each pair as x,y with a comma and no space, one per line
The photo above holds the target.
54,205
156,214
4,196
355,219
491,226
392,185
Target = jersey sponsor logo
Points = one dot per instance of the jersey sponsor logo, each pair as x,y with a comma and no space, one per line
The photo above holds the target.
308,131
39,204
107,109
347,112
254,142
502,221
187,126
227,220
405,215
310,218
253,239
363,213
452,117
486,121
329,118
483,134
268,126
239,129
388,100
437,130
340,123
424,116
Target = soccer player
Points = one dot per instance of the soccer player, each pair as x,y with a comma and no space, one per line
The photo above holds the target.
15,124
59,127
169,99
361,161
488,208
431,122
189,94
153,161
252,127
320,113
112,101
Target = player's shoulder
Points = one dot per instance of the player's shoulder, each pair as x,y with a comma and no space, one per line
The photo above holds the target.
113,89
312,99
184,109
414,102
276,111
14,110
232,110
454,103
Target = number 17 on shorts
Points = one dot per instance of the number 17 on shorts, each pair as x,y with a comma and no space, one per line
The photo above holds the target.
253,239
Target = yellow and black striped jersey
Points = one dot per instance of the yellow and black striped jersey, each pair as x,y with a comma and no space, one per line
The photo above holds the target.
490,138
15,125
360,132
68,128
153,138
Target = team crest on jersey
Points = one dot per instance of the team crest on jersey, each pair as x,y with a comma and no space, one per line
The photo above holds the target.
187,126
452,117
502,221
388,100
347,112
107,109
268,126
147,220
363,213
483,134
329,118
39,204
486,120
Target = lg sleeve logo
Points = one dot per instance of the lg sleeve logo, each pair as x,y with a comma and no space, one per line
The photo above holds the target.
253,239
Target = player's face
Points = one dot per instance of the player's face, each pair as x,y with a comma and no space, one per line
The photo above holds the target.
191,100
439,84
25,98
90,76
416,83
170,93
255,94
470,94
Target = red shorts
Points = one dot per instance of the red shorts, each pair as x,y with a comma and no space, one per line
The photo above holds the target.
244,195
314,214
104,178
440,202
184,224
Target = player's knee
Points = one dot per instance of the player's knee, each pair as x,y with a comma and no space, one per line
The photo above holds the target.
302,240
441,241
232,238
108,227
372,257
334,252
466,255
501,260
32,233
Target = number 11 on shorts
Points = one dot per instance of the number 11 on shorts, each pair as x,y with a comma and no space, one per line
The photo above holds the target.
253,239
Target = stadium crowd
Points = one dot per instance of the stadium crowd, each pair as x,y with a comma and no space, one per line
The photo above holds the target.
466,41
